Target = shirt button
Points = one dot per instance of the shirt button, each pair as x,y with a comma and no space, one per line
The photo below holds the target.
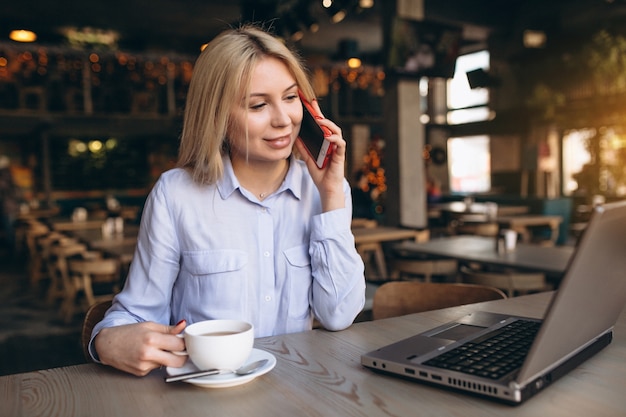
266,254
268,298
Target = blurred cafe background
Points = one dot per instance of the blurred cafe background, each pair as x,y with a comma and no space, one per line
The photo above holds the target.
456,113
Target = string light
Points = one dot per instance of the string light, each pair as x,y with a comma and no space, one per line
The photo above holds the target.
22,35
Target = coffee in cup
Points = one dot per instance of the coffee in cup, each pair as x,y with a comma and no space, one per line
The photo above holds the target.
219,344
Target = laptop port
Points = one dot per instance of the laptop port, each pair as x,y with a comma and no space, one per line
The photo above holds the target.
409,371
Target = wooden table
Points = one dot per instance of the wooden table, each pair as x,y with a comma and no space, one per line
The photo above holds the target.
118,245
369,240
457,214
318,373
523,224
40,213
460,207
551,260
97,240
67,225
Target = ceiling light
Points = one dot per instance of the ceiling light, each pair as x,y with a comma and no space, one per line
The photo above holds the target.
95,146
23,35
534,38
366,4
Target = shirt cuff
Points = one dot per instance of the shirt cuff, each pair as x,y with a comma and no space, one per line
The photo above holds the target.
331,223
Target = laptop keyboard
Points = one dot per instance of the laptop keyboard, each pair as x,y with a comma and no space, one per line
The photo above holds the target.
494,354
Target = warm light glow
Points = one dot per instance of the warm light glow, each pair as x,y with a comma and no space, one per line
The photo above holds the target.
76,147
110,144
297,36
534,39
90,36
95,146
366,4
339,16
23,36
327,3
354,62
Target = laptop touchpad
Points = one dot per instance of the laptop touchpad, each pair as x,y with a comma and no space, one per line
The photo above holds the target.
457,332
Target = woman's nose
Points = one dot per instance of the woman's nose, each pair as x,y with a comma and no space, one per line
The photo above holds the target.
281,116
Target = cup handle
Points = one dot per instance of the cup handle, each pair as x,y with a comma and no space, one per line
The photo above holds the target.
180,352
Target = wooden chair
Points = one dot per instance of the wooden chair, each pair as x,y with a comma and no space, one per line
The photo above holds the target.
369,250
36,266
512,282
84,273
375,250
426,269
478,229
57,267
406,297
94,314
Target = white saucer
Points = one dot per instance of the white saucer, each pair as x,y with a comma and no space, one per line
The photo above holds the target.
230,379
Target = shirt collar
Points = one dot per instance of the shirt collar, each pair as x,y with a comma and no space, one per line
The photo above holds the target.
293,180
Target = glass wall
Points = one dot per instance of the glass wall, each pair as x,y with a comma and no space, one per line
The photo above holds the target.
469,162
468,104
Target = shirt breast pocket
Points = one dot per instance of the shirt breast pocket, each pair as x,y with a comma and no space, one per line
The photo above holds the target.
216,281
300,281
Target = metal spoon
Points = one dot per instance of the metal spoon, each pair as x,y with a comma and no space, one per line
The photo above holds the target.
244,370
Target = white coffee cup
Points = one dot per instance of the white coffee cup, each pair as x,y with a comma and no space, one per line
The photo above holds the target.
219,344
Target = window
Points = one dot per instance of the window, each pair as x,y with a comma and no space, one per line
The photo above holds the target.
593,162
575,157
469,158
469,162
466,104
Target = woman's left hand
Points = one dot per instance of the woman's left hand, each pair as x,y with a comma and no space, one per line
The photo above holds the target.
329,180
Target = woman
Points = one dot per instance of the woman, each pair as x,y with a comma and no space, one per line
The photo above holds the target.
241,229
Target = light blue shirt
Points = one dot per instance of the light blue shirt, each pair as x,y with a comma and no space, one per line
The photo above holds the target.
216,251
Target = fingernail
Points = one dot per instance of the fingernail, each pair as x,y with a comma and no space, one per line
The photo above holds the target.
180,322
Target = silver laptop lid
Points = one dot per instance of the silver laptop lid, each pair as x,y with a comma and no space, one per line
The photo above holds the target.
590,297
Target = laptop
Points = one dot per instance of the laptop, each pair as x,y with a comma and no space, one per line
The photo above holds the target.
466,355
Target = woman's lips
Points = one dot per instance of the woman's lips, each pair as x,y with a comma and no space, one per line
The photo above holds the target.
280,142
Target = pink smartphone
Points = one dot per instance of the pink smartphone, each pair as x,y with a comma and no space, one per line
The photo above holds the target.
313,136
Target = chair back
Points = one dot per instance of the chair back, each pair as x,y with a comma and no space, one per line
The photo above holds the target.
360,222
406,297
84,273
57,266
94,315
512,282
407,268
478,229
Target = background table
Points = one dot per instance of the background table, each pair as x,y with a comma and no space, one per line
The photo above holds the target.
524,223
318,373
370,239
550,260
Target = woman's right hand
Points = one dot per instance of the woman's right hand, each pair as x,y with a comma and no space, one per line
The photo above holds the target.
140,348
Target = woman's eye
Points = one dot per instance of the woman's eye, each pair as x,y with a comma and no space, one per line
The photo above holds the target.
257,106
291,97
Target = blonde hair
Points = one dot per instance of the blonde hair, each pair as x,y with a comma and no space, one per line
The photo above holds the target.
220,76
